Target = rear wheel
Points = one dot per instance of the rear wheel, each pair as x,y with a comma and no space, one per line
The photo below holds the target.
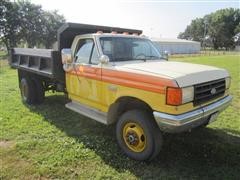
40,93
138,135
28,91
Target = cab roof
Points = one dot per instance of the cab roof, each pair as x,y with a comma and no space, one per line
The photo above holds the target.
110,35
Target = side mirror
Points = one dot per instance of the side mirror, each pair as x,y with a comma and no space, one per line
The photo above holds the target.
67,59
165,55
67,56
104,59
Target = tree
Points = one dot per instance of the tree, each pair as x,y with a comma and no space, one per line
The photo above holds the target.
31,16
27,22
51,22
237,29
186,34
220,26
196,31
38,26
9,24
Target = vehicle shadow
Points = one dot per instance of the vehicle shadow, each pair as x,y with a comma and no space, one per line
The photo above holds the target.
207,153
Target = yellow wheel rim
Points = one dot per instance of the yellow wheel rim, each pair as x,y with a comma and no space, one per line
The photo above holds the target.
134,137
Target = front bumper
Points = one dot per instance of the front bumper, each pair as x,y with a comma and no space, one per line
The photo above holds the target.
190,120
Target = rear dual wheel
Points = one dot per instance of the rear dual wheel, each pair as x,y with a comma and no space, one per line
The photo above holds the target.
138,135
32,91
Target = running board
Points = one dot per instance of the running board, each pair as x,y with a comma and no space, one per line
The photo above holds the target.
87,111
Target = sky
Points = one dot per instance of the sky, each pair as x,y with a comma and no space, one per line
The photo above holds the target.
157,18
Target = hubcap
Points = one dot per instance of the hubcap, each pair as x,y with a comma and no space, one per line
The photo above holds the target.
134,137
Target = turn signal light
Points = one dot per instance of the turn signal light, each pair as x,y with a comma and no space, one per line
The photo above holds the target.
174,96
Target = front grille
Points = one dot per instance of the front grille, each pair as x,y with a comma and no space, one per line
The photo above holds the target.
208,91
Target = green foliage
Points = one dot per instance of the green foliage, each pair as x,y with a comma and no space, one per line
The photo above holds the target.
3,56
10,23
51,22
49,141
237,29
222,26
219,27
195,31
24,22
31,16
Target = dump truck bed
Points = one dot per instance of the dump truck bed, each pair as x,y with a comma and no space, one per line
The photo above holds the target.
47,62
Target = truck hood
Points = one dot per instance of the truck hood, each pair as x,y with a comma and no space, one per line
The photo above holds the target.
185,74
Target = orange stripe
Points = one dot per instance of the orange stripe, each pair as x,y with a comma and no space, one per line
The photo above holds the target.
91,72
134,80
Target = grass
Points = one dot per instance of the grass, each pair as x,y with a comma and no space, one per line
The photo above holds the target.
3,55
206,53
51,142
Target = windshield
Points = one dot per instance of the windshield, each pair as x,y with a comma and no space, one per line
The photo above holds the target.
125,49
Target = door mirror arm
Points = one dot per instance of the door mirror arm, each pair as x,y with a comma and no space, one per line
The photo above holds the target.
165,55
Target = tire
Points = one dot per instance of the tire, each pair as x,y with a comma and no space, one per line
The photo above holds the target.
138,135
28,91
203,126
40,93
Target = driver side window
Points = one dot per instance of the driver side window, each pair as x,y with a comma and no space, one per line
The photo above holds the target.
84,50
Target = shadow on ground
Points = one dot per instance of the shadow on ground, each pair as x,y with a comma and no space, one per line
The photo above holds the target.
207,153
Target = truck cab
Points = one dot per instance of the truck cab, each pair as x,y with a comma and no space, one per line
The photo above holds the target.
95,68
115,76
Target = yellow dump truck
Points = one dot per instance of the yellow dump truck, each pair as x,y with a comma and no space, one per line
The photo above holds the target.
115,76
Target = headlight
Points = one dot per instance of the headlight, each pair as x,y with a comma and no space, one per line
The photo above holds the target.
228,82
187,94
178,96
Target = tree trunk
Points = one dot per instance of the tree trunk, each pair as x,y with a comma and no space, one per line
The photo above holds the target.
215,44
7,46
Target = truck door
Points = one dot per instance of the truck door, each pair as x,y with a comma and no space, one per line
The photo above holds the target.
87,74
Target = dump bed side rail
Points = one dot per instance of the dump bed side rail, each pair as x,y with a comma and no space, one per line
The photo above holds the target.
44,62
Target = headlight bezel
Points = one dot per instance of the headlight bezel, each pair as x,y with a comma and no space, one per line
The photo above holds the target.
228,82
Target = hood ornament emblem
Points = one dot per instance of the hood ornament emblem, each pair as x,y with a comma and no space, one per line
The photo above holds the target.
213,91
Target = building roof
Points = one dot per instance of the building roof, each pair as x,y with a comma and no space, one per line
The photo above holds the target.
166,40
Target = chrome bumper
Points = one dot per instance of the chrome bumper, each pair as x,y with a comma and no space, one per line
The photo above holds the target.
189,120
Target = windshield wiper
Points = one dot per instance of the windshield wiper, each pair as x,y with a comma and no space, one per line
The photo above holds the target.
147,58
152,57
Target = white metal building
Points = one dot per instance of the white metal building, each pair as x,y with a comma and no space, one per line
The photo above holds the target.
177,46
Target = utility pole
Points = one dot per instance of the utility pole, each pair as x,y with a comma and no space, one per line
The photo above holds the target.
204,33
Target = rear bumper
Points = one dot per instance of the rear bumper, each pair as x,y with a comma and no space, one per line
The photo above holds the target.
189,120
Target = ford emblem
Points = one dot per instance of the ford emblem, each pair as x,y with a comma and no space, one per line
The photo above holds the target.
213,91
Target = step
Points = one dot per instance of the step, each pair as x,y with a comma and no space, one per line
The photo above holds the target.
87,111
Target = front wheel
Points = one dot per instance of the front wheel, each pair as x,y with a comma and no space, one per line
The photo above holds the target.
138,135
